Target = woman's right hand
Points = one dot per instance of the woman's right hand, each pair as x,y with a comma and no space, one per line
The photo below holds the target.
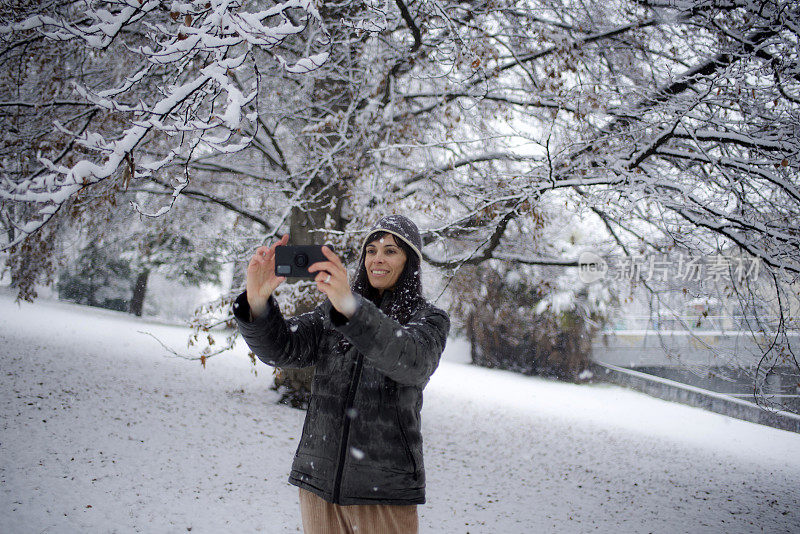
261,279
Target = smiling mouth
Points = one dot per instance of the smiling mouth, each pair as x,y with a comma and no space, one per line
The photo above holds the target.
379,273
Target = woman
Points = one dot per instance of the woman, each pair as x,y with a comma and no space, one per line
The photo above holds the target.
375,344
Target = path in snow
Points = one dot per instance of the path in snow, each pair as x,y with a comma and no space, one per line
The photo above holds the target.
102,431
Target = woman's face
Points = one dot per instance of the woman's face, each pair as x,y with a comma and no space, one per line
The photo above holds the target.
384,261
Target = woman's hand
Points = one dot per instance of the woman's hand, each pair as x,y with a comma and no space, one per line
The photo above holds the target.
332,280
261,279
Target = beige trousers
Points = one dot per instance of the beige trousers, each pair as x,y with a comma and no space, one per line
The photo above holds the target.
322,517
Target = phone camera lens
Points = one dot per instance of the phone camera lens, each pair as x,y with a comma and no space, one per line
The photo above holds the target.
301,260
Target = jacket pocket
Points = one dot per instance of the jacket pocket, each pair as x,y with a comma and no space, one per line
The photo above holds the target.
404,437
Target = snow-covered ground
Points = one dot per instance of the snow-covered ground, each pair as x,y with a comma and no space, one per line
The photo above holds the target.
103,431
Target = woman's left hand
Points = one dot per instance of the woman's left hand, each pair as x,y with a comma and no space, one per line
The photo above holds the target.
332,280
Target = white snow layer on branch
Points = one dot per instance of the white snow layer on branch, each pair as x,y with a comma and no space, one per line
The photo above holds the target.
306,64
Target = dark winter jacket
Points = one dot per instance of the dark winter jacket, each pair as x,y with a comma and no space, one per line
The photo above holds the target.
361,441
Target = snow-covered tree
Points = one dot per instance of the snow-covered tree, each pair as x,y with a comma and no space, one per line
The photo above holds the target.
668,124
119,91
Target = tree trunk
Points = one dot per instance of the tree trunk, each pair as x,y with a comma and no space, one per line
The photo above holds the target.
239,279
295,384
139,292
323,198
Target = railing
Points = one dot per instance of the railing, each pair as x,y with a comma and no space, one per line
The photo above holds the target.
733,406
720,323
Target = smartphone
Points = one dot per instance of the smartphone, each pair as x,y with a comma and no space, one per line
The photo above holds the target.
293,261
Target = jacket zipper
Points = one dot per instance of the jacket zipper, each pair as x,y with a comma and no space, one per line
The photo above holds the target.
351,396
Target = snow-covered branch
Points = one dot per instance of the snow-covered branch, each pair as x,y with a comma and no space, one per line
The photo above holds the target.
161,98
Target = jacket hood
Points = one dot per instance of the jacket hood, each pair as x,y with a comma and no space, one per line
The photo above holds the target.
401,227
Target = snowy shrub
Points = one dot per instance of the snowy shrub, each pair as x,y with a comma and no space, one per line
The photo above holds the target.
498,307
